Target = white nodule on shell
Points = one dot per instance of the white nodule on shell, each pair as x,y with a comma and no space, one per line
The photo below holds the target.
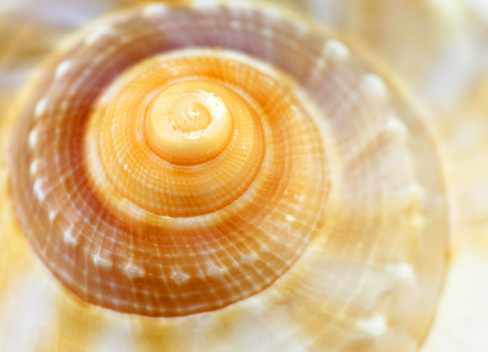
374,86
101,261
205,4
179,277
52,215
213,269
98,34
62,69
33,138
240,6
154,10
39,190
336,50
249,258
272,13
41,107
134,271
403,272
69,237
396,126
34,166
64,274
374,326
290,218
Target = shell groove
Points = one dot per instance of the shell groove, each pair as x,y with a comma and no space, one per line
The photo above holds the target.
322,205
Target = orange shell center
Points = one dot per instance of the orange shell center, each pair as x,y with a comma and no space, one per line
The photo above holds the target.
189,122
205,177
191,116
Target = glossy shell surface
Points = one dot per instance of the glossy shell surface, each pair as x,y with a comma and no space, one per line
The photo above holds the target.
221,176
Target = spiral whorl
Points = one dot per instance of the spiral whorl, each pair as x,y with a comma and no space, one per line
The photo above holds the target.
189,123
230,159
189,169
184,159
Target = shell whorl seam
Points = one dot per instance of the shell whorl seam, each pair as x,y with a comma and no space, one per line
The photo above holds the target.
179,160
191,186
194,220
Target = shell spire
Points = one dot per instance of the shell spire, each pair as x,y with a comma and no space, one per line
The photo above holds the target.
189,123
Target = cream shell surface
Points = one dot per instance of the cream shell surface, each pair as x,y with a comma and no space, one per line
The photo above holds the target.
377,247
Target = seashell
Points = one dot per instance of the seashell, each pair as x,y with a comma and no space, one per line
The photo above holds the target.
215,176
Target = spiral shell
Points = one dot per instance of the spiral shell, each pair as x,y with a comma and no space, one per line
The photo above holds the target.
235,174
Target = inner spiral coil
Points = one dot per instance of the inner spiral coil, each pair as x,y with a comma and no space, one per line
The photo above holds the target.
165,231
321,203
